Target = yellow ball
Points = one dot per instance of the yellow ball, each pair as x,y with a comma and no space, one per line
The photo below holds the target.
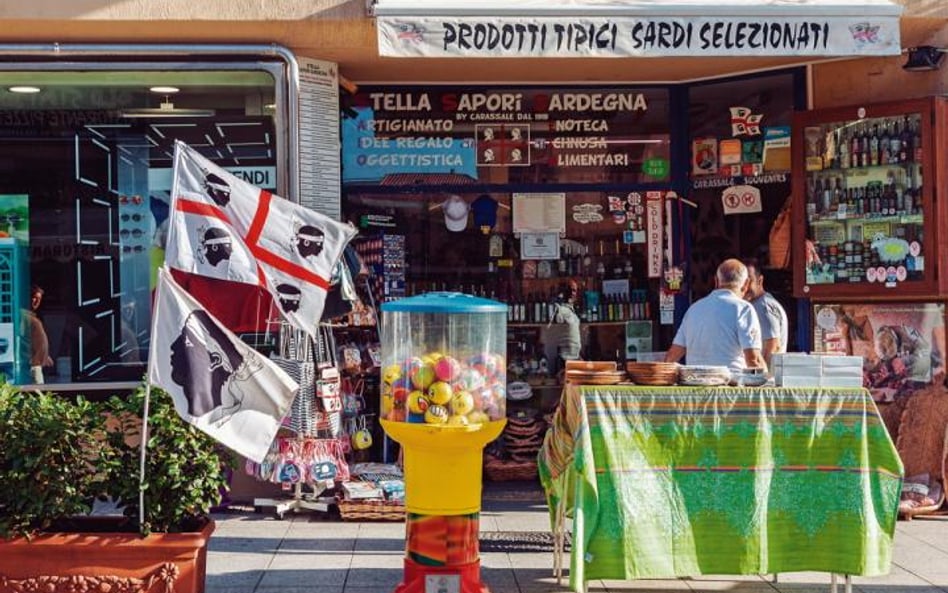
392,373
462,403
457,420
477,417
417,404
440,393
436,415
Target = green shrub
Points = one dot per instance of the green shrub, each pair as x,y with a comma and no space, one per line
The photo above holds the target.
57,454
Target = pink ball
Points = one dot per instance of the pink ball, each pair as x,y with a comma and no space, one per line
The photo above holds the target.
447,369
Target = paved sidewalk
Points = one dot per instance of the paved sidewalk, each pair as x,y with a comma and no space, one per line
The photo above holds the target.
255,553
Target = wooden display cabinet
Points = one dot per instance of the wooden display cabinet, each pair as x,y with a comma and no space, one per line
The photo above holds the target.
867,221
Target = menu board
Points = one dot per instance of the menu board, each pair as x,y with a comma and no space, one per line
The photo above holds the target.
319,137
449,135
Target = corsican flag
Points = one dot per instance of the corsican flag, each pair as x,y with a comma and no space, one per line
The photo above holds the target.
219,384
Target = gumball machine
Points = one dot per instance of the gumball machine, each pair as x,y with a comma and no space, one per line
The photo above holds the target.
444,378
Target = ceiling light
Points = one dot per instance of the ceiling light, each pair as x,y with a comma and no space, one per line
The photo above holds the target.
26,90
270,106
164,89
924,58
167,109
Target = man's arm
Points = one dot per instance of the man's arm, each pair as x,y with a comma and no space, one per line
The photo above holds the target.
675,353
754,358
771,346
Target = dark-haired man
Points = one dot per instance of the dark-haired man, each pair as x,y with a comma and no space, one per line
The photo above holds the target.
774,332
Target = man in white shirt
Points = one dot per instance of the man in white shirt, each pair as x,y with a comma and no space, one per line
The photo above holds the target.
721,329
774,333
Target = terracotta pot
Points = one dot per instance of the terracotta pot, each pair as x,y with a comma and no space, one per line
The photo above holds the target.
96,560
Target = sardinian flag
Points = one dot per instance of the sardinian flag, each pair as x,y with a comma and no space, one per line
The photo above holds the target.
218,383
745,122
225,228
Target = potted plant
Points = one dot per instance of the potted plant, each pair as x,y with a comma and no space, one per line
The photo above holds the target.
57,455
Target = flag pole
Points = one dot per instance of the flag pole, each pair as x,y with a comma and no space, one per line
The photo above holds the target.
151,359
141,468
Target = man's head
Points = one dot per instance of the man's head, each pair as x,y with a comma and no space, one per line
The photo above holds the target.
36,297
569,291
732,275
755,280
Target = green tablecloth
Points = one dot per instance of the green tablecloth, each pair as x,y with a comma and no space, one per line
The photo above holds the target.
678,481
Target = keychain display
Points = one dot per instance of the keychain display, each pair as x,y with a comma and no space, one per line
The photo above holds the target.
353,401
361,436
308,460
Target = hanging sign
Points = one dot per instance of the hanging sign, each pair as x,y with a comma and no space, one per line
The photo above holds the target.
496,36
653,214
741,199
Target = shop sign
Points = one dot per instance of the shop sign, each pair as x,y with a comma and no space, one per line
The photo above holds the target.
464,132
617,36
713,182
654,211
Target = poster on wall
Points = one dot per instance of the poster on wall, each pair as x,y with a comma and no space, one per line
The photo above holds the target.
319,137
902,344
539,213
14,235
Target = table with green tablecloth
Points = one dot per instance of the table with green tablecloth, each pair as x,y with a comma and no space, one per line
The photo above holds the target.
681,481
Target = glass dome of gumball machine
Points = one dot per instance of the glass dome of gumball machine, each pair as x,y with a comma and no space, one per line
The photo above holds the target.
444,378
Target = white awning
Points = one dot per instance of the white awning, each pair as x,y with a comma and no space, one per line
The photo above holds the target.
613,28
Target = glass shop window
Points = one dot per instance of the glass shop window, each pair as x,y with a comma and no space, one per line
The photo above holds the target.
85,178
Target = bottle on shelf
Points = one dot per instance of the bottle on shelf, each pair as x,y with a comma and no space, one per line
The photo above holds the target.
843,149
874,146
895,143
884,143
856,148
837,196
905,141
917,141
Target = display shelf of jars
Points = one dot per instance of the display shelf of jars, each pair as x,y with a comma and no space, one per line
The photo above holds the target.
870,219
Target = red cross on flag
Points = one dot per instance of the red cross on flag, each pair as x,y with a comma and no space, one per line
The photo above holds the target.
226,228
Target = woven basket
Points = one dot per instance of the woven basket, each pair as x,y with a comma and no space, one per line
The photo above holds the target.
371,510
507,471
933,508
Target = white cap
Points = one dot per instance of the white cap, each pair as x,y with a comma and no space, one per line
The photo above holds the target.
455,213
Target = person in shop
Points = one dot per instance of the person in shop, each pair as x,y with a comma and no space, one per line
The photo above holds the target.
722,328
774,332
39,342
561,338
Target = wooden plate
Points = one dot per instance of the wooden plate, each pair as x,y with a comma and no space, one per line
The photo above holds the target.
590,365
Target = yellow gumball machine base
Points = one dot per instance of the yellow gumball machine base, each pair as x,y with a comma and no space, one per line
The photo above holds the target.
443,465
443,500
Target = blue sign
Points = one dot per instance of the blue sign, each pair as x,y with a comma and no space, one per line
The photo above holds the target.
401,146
